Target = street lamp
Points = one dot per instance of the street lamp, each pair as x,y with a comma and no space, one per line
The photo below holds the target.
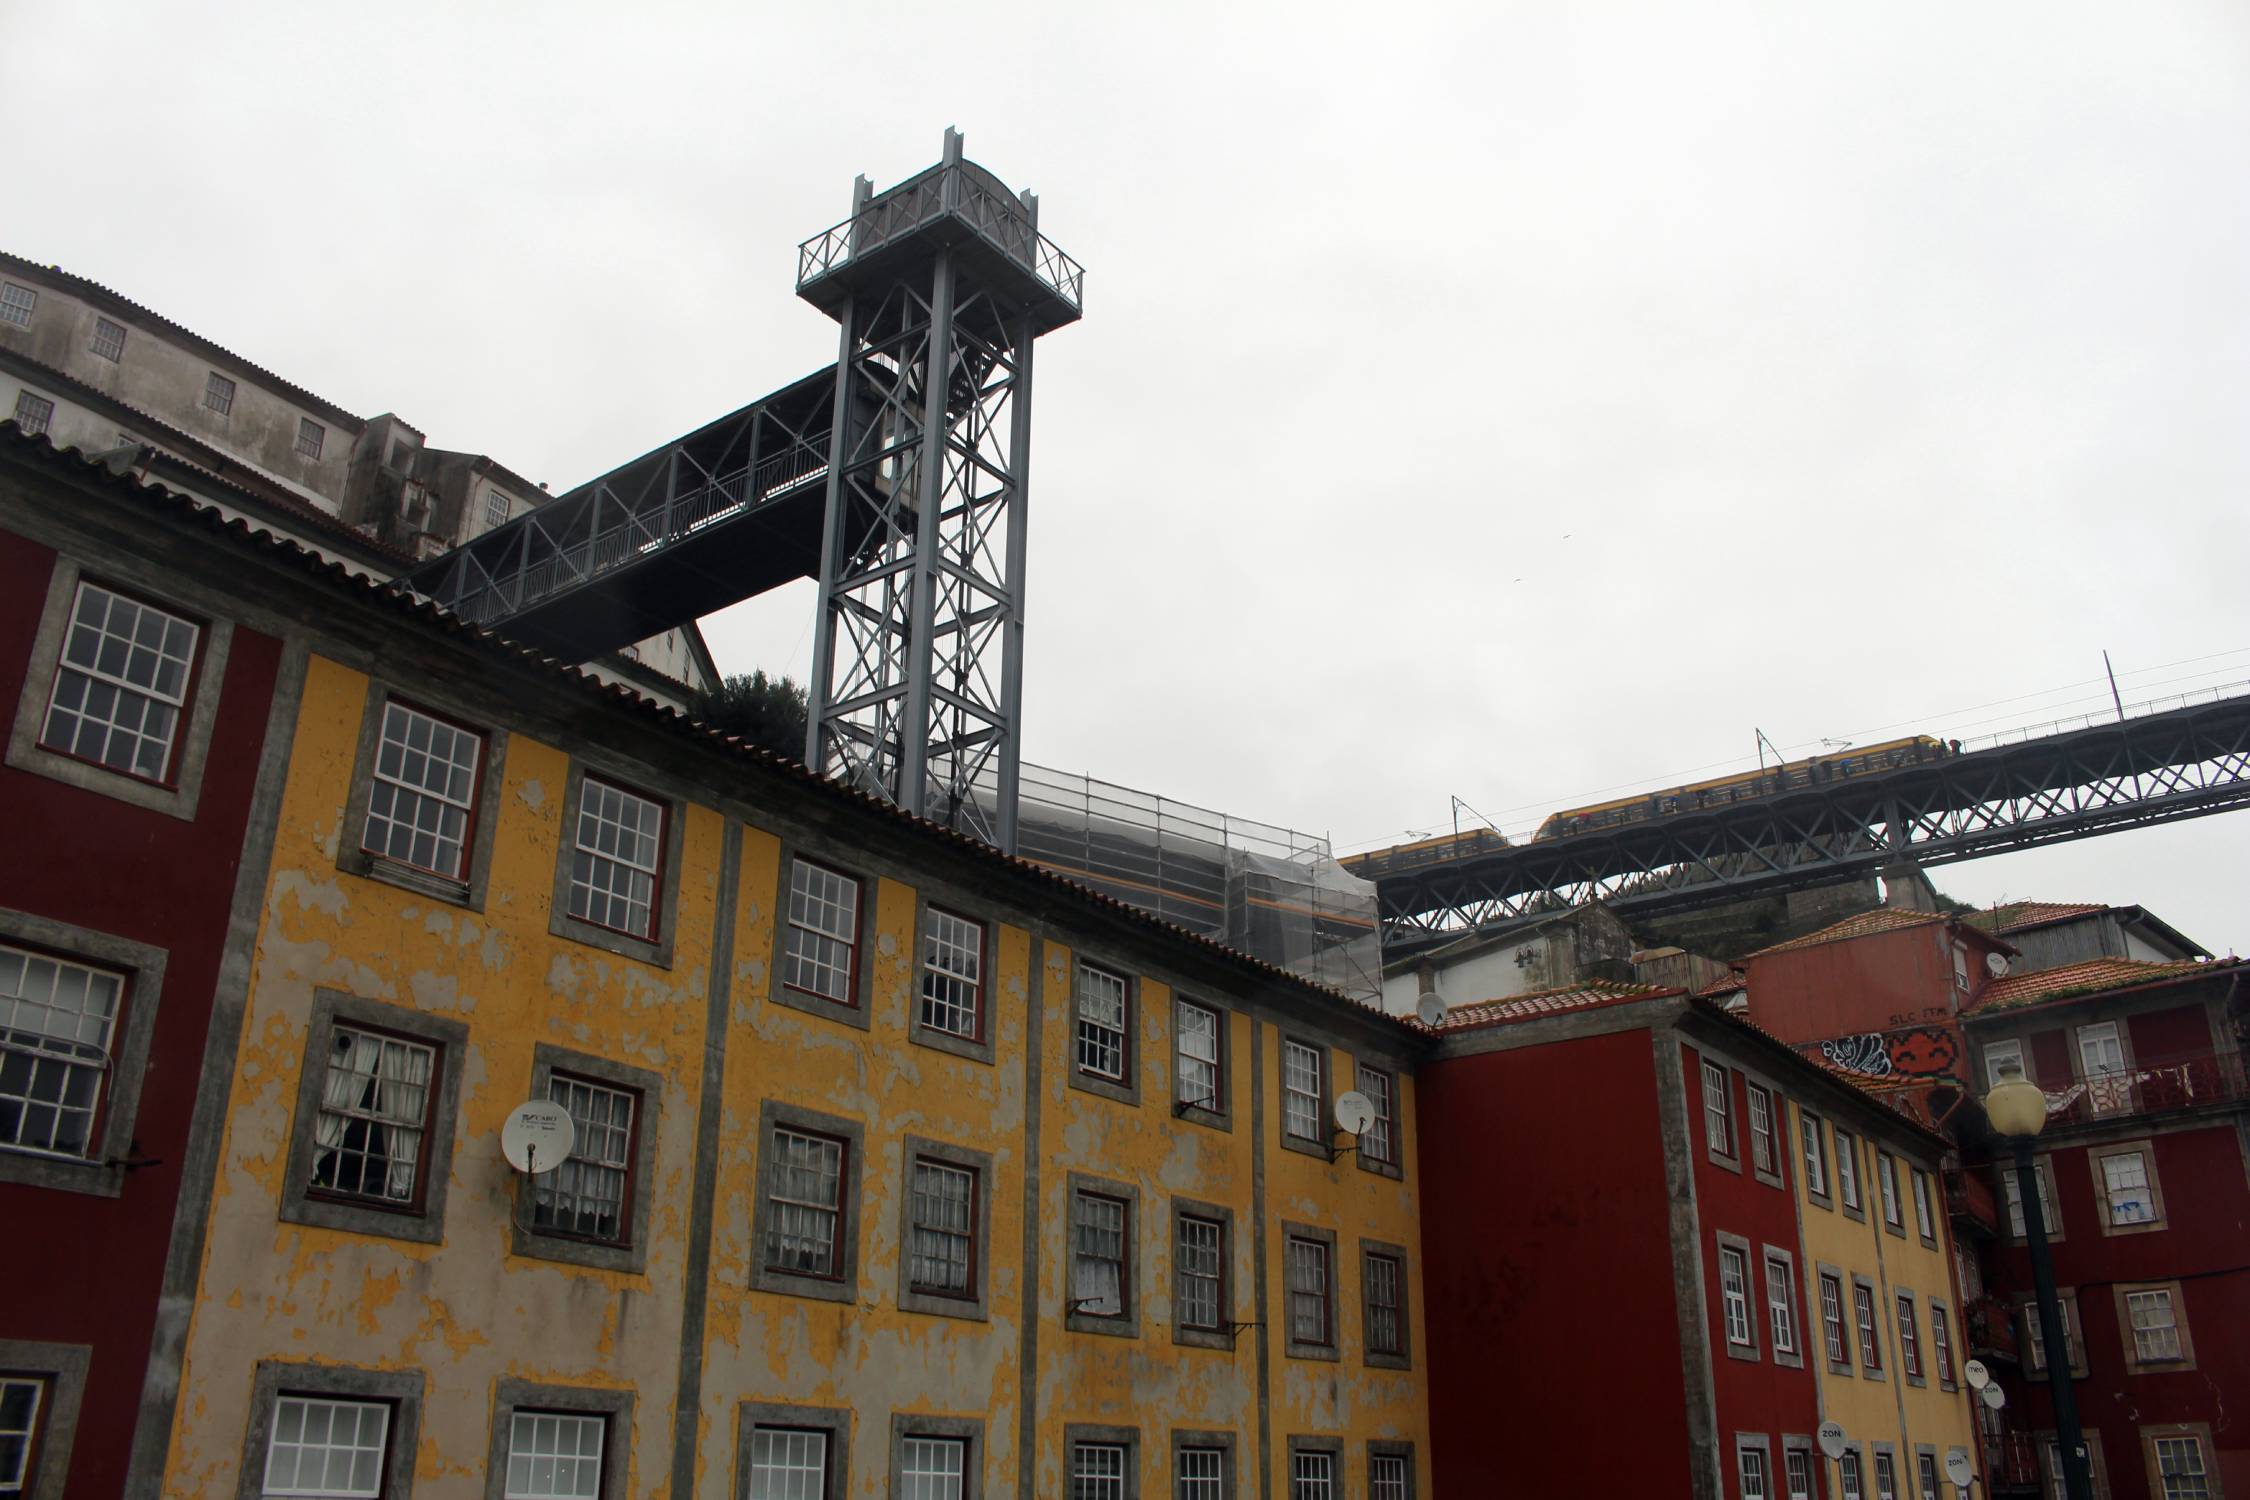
2017,1111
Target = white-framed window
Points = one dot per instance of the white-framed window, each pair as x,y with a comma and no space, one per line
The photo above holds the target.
218,393
587,1195
58,1028
2101,1053
1847,1473
1376,1143
1798,1464
1761,1130
1925,1470
1300,1090
613,869
34,413
1310,1317
1097,1471
1312,1476
325,1447
1718,1110
1941,1344
1201,1271
1832,1319
2003,1061
1734,1293
374,1112
2180,1468
423,797
932,1468
1886,1178
1751,1461
2014,1194
2125,1186
121,686
555,1456
1387,1477
943,1255
1961,966
1886,1477
1847,1168
1909,1337
1099,1264
1781,1304
1102,1005
1385,1306
1202,1475
2035,1332
788,1463
1925,1220
16,303
1816,1160
1870,1338
953,975
804,1192
823,953
311,438
496,506
20,1403
2156,1326
109,339
1195,1055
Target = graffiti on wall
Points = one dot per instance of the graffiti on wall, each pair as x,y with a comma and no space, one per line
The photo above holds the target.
1912,1052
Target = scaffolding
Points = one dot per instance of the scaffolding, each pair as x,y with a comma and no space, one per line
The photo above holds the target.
1270,892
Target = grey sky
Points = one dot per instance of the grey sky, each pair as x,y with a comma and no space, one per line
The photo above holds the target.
1515,401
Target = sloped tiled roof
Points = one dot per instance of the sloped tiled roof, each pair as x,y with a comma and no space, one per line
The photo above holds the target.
2092,977
1590,995
2011,916
1865,924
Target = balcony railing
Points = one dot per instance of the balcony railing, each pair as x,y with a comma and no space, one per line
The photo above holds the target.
2176,1083
1990,1328
1968,1199
998,221
2011,1462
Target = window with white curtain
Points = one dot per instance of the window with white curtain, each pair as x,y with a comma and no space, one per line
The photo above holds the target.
374,1111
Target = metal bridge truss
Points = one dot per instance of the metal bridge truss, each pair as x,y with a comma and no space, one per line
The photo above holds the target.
2182,763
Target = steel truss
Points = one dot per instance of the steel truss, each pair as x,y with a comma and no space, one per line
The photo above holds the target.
2184,763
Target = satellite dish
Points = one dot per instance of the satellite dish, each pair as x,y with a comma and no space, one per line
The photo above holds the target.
1996,964
537,1137
1832,1439
1430,1008
1958,1468
1977,1374
1354,1112
1993,1397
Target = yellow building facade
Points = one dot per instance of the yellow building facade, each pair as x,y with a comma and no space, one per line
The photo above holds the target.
898,1167
1885,1313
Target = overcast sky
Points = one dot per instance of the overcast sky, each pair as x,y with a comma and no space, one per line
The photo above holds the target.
1512,401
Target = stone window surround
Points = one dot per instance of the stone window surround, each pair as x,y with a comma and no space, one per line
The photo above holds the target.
1224,1442
299,1204
1793,1442
844,1285
833,1421
1205,1338
1127,1323
665,900
631,1257
2200,1431
978,1048
1906,1297
977,1305
1379,1448
1292,1345
1822,1270
1369,1355
63,1367
511,1395
1324,1114
1128,1089
1945,1358
1872,1482
1395,1168
1776,1127
1937,1467
1128,1438
1218,1116
1767,1255
2027,1315
1927,1206
2043,1439
142,967
353,859
1311,1443
1753,1307
191,746
2146,1147
1824,1195
1762,1445
968,1430
1886,1170
2043,1164
402,1389
1847,1145
1878,1316
1730,1158
778,990
2134,1364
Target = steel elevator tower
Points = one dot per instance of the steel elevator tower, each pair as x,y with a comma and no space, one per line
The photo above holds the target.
940,286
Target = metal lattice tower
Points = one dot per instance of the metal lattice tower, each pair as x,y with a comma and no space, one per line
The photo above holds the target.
941,285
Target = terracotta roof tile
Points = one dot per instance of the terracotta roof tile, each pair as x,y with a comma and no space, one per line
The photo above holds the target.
2014,915
1591,995
2092,977
1865,924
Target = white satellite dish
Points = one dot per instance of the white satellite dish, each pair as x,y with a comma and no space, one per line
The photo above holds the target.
537,1137
1996,964
1832,1440
1993,1397
1977,1374
1354,1112
1958,1468
1430,1008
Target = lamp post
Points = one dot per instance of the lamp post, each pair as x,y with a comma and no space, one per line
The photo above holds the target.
2017,1110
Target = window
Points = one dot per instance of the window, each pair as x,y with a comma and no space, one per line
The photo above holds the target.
325,1447
121,684
943,1249
788,1463
1383,1287
1761,1130
1847,1169
1202,1465
614,866
1847,1472
805,1192
1311,1321
555,1456
1198,1080
1751,1462
2003,1061
310,438
2152,1314
1925,1471
1816,1158
423,798
1870,1338
2014,1194
2125,1188
375,1097
1832,1320
495,509
932,1468
1103,1005
2101,1064
1886,1476
822,958
2035,1334
1961,966
20,1400
218,393
1734,1292
1099,1254
1312,1475
58,1024
1377,1144
109,339
34,413
1098,1471
588,1195
1909,1339
1886,1178
1302,1090
16,303
1800,1471
2181,1466
1390,1476
1924,1223
1200,1272
1718,1113
1781,1304
952,975
1941,1344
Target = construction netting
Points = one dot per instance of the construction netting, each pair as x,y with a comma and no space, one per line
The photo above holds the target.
1270,892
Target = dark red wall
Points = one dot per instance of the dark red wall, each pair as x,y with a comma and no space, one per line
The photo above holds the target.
1548,1273
82,1269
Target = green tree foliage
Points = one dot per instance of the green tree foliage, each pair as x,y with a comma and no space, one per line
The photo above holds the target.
767,711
